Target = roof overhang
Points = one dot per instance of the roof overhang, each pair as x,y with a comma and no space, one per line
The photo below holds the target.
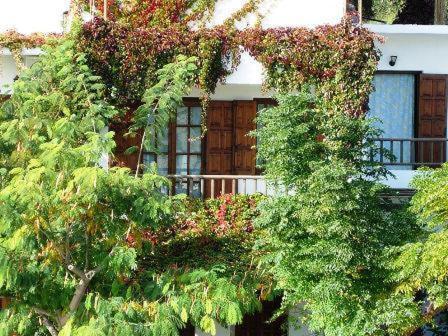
402,29
25,52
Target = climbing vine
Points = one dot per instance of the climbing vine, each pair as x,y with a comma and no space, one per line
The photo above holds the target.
16,42
339,60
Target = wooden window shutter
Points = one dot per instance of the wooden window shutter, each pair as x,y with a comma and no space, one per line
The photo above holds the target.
432,117
4,302
123,143
219,138
245,152
219,145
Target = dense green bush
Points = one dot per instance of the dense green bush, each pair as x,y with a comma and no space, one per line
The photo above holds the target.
328,239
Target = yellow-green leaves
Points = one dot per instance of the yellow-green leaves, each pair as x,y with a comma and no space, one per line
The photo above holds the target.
208,325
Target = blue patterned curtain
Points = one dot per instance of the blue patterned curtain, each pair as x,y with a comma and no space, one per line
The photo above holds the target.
393,103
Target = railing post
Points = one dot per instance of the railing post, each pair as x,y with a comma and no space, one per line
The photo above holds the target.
442,152
202,187
170,187
190,182
381,151
431,154
401,151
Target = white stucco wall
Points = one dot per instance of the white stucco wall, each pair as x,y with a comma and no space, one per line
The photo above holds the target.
287,13
8,69
418,48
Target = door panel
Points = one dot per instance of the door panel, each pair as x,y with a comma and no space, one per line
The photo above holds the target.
219,144
245,153
189,330
432,118
123,143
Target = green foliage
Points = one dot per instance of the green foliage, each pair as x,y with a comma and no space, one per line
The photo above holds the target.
387,10
422,264
210,233
192,275
64,220
328,239
104,245
382,10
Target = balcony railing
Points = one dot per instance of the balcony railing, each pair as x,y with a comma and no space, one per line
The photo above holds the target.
211,186
410,153
395,153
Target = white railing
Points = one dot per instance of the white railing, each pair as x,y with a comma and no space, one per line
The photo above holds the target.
211,186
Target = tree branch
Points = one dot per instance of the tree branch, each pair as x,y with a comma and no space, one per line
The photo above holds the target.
75,270
140,152
86,278
50,327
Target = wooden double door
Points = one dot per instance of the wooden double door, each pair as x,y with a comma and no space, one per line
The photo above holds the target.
229,150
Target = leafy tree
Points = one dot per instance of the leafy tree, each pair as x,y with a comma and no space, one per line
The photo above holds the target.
86,250
64,219
422,264
327,238
384,10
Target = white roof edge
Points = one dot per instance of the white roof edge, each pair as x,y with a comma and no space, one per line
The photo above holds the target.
25,52
408,29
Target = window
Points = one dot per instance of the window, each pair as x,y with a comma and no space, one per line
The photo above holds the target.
178,150
160,154
393,103
188,144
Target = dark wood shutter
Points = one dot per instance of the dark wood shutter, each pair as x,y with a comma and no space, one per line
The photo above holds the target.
123,143
4,302
4,98
219,148
258,325
219,144
432,118
245,152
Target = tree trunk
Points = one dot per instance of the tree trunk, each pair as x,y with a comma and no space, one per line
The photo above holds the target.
440,12
51,329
